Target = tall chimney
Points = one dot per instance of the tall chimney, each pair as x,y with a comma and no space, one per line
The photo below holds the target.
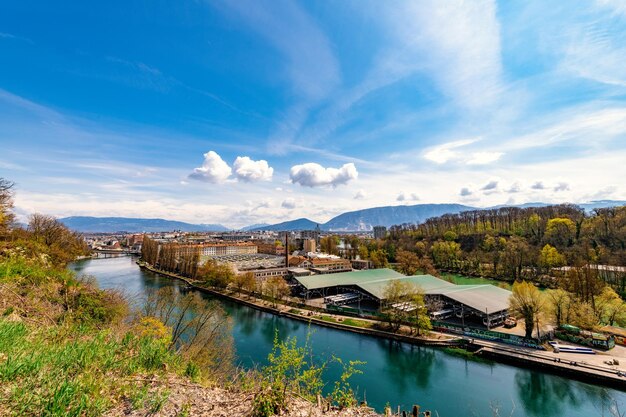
286,249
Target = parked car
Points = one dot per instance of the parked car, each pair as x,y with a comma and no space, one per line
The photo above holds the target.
510,322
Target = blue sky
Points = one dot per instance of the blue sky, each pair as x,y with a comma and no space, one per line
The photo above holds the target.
239,112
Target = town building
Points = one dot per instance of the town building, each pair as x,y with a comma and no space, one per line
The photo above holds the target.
309,245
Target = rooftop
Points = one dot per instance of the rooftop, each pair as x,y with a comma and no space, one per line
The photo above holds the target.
373,281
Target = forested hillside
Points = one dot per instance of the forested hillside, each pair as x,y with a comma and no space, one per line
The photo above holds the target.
519,243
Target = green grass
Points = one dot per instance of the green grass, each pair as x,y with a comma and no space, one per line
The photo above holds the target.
465,354
74,371
347,322
465,280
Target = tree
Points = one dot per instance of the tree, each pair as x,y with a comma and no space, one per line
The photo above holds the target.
610,308
216,274
560,231
61,244
276,288
378,258
404,302
409,262
528,302
363,252
6,205
559,302
200,329
244,281
445,253
549,258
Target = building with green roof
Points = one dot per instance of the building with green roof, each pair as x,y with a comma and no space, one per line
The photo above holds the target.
482,300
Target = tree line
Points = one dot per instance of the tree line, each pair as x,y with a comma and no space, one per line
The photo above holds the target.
518,243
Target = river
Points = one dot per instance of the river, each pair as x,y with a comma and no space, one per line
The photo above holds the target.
395,373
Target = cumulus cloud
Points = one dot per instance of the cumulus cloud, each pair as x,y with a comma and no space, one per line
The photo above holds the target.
538,186
404,196
315,175
490,186
360,195
465,192
289,203
562,186
213,169
248,170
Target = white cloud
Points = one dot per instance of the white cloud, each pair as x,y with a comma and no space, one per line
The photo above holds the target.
538,186
213,169
289,203
360,195
465,192
248,170
490,186
444,153
315,175
405,196
482,158
562,186
515,188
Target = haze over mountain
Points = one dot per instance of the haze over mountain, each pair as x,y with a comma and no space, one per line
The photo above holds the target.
358,220
364,220
87,224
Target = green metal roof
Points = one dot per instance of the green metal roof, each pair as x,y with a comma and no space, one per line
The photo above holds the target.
479,297
315,282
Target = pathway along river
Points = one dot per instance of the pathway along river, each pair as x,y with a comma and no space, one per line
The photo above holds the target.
398,373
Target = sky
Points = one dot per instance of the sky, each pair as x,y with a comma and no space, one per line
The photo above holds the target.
260,111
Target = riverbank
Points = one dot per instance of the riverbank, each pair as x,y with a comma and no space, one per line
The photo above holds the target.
573,368
320,319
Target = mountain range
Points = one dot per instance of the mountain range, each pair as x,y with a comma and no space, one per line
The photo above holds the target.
133,225
359,220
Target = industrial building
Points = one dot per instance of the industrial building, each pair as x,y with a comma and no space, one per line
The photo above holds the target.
484,302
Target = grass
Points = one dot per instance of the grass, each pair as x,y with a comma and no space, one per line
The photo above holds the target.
347,322
77,371
465,354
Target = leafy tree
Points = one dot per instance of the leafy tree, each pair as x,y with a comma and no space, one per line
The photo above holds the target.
560,231
216,274
549,258
379,258
527,302
559,302
245,281
404,302
277,289
610,308
446,254
409,262
363,252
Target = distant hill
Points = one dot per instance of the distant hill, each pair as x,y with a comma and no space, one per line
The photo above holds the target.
388,216
134,225
366,219
601,204
298,224
254,227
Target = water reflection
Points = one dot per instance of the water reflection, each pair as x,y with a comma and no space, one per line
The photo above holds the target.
409,365
543,393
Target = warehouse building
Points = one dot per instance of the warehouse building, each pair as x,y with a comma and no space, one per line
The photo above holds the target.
485,302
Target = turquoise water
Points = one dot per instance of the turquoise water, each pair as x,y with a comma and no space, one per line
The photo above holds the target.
397,373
